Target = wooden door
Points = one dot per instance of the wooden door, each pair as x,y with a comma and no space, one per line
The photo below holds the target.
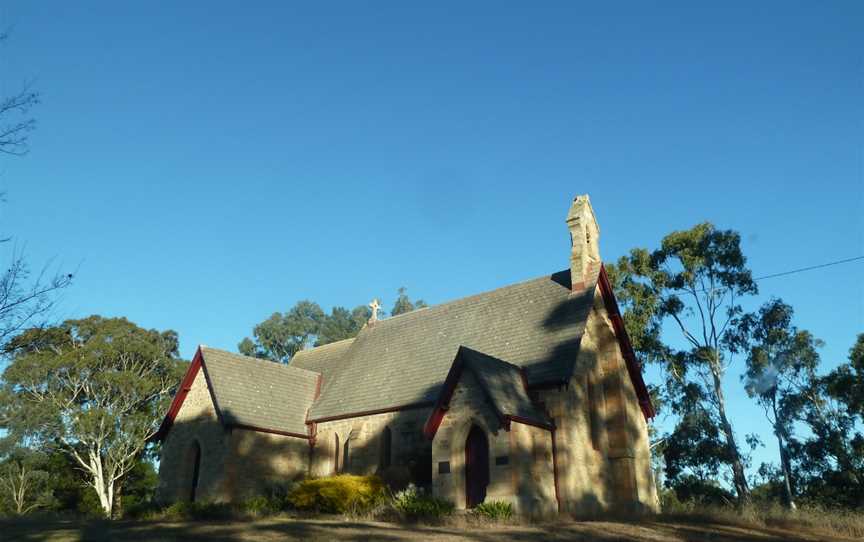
476,467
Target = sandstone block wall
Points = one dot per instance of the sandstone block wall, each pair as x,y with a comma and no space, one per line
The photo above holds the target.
196,422
259,461
410,451
601,436
520,458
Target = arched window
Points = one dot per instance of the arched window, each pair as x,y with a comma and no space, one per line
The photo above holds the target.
346,455
386,448
336,454
194,465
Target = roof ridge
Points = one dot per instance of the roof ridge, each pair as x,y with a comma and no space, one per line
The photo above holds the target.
466,298
495,358
259,360
322,346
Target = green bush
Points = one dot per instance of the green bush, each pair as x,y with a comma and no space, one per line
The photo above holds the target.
199,511
414,504
262,506
345,494
497,510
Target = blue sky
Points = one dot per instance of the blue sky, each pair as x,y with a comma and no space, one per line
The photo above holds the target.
203,165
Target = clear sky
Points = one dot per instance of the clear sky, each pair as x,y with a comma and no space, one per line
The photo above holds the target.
204,164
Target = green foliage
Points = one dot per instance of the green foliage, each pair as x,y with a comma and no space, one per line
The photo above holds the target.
342,324
200,511
404,304
70,487
781,371
283,335
344,493
494,510
96,388
701,492
25,484
414,504
830,463
306,324
262,506
693,281
138,492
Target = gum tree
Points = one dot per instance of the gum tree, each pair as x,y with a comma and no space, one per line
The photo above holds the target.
96,388
694,282
781,367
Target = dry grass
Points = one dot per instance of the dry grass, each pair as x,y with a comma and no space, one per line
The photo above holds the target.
831,522
715,525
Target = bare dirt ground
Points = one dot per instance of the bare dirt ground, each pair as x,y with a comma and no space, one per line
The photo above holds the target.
273,529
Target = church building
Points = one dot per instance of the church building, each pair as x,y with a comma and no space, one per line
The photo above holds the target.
530,394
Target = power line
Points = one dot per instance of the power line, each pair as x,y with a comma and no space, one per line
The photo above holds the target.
811,268
774,275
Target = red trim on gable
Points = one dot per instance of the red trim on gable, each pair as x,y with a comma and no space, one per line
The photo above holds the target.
272,431
443,402
634,368
434,421
180,396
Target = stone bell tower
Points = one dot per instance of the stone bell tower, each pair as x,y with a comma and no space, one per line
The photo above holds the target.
584,238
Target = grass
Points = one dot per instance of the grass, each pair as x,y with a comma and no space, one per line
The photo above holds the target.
690,528
835,522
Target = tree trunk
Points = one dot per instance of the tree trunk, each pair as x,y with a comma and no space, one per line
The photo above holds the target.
787,471
102,486
739,479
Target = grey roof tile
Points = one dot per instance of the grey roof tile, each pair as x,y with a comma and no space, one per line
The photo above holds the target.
321,359
259,393
503,382
404,360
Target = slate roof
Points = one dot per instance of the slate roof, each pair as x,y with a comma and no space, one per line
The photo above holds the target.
404,360
503,383
321,359
259,393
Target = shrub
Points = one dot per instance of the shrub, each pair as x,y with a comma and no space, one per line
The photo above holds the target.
198,511
262,506
345,493
414,504
496,510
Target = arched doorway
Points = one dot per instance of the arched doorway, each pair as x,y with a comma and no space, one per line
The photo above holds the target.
476,467
194,463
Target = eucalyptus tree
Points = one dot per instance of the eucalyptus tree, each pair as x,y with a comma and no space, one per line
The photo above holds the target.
404,304
782,364
25,483
96,388
693,281
282,335
833,457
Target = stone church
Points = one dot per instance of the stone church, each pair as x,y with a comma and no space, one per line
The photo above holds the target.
530,394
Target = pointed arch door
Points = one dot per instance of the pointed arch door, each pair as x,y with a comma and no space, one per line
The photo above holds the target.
476,467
